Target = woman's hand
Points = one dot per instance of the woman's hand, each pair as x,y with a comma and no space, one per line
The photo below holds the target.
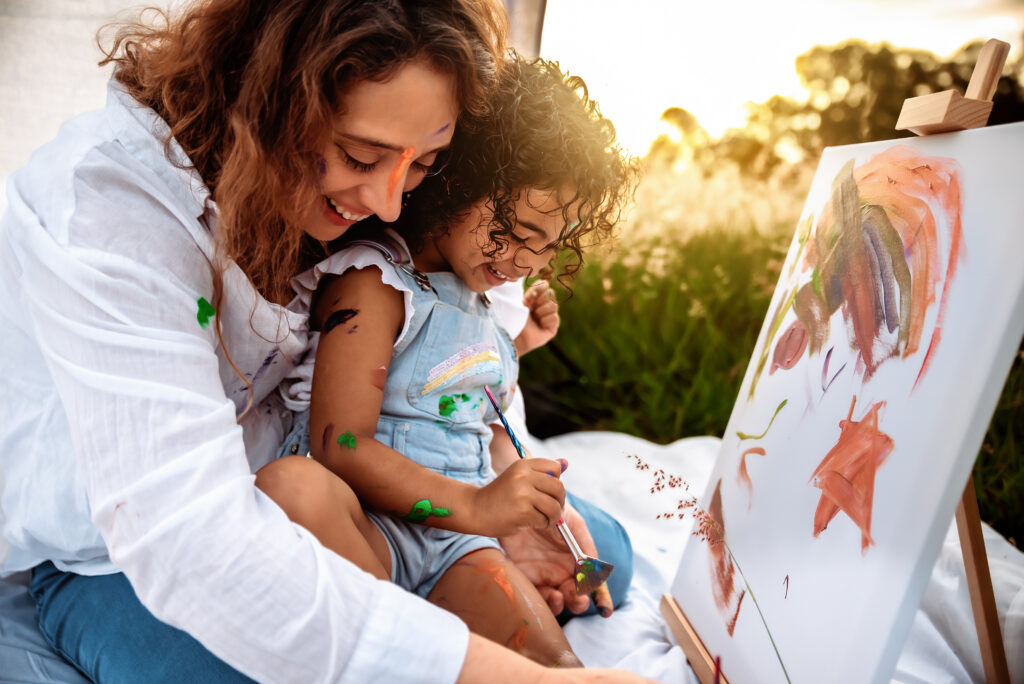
526,495
544,558
542,323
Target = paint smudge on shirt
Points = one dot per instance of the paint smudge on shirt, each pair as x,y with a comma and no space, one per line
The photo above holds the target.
337,318
267,363
205,312
846,476
347,439
447,405
468,361
423,509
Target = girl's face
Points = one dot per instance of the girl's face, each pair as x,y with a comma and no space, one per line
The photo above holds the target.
463,250
384,142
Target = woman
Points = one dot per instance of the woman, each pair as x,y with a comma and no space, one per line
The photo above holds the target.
145,256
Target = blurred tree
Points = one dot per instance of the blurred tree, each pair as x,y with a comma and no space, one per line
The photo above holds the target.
854,94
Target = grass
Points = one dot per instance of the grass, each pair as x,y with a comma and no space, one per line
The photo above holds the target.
658,332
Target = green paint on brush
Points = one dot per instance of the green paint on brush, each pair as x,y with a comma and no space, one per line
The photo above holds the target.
347,440
205,312
446,405
421,510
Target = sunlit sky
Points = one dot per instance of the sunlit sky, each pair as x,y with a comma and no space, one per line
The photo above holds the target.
640,57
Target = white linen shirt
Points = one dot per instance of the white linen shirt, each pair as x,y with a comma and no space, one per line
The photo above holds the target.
119,446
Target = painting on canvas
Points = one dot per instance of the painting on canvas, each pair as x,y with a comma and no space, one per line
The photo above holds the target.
887,341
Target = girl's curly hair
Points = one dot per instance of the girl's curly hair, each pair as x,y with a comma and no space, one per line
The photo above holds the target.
250,89
541,130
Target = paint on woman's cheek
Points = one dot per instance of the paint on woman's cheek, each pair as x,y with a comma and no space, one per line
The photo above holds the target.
337,318
321,165
396,173
442,129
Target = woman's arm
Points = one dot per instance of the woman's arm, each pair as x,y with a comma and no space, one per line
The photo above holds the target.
359,318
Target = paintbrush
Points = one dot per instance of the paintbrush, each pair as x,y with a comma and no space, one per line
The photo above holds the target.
590,572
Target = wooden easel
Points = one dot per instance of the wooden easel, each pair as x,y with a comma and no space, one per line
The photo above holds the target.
933,113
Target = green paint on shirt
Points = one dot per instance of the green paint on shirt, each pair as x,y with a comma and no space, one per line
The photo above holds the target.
205,313
347,440
421,510
446,405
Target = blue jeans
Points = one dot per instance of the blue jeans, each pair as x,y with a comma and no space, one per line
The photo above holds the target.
99,626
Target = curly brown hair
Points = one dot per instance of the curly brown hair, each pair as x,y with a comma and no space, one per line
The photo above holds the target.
249,90
541,130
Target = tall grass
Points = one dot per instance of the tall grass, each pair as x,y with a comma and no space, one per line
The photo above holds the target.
659,330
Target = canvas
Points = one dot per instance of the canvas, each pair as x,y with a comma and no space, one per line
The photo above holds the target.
888,339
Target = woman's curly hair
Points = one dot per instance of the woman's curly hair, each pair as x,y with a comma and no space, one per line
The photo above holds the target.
541,130
250,89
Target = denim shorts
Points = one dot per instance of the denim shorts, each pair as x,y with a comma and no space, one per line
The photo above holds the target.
420,555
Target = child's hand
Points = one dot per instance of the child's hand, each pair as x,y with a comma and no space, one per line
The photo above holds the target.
542,324
528,494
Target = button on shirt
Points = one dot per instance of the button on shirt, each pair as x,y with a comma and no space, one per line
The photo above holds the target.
119,444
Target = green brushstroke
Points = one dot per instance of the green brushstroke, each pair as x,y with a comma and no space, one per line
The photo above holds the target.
744,435
205,312
446,405
347,440
421,510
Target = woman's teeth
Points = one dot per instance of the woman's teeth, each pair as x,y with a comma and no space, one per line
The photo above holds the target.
344,214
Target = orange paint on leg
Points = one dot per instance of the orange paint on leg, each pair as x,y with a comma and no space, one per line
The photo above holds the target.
396,173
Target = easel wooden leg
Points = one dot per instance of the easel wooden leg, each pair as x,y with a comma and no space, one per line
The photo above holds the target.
979,585
693,648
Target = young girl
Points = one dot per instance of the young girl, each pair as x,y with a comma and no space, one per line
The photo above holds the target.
408,343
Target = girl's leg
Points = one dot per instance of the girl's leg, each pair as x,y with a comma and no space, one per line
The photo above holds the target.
314,497
100,626
498,602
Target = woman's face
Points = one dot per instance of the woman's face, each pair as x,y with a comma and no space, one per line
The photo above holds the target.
531,245
383,143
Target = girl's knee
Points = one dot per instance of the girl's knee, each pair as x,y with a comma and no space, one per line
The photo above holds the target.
305,489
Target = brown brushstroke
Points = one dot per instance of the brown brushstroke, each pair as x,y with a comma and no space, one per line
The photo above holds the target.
723,587
742,476
790,348
846,476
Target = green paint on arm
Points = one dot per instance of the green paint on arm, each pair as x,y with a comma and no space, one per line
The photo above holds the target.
347,440
205,312
744,435
421,510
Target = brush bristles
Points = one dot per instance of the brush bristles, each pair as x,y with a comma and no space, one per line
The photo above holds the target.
590,574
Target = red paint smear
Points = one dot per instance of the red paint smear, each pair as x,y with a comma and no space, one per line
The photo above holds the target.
396,173
378,377
723,588
846,476
742,477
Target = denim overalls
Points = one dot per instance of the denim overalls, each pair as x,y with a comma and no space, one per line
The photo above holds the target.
434,410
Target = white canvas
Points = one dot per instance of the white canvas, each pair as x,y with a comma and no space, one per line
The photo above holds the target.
839,604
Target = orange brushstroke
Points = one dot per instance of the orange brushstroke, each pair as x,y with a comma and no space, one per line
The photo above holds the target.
401,165
846,476
518,640
723,587
742,477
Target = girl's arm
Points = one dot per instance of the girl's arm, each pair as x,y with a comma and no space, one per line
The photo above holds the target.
359,318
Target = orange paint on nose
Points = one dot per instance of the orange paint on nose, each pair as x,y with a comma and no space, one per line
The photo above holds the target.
396,173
